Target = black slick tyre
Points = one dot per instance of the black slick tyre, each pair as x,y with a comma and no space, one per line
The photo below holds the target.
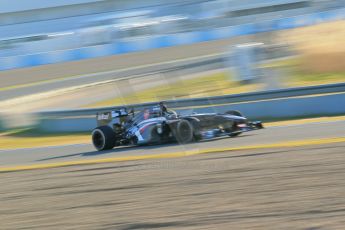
184,132
103,138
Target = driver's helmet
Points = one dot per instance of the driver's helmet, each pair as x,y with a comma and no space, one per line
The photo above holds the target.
162,107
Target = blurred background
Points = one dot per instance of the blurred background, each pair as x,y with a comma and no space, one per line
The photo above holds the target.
82,54
279,61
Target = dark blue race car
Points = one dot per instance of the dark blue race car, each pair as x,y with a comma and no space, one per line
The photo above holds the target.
157,125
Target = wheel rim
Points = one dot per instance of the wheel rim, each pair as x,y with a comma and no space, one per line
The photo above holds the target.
185,134
184,130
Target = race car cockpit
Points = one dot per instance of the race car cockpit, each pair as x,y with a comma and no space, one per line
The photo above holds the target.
154,112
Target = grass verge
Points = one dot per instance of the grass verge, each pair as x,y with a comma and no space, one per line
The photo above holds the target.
27,138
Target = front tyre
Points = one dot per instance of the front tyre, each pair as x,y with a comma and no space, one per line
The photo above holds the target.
231,127
103,138
184,132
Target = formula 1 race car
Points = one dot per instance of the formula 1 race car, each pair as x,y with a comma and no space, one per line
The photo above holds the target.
159,125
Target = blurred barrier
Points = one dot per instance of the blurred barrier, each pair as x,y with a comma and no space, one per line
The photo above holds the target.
161,41
216,100
2,126
274,104
284,108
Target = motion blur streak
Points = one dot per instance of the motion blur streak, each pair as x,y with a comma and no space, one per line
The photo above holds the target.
178,154
65,63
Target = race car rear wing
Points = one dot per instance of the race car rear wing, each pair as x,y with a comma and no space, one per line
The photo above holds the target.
111,117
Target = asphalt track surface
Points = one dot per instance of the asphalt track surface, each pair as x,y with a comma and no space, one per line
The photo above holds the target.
281,188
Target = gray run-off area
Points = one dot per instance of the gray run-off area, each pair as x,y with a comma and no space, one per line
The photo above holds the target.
291,188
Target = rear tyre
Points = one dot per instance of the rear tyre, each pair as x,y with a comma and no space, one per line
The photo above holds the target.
184,132
103,138
235,113
197,136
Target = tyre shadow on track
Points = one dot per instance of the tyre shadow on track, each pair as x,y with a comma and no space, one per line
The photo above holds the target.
121,149
124,149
